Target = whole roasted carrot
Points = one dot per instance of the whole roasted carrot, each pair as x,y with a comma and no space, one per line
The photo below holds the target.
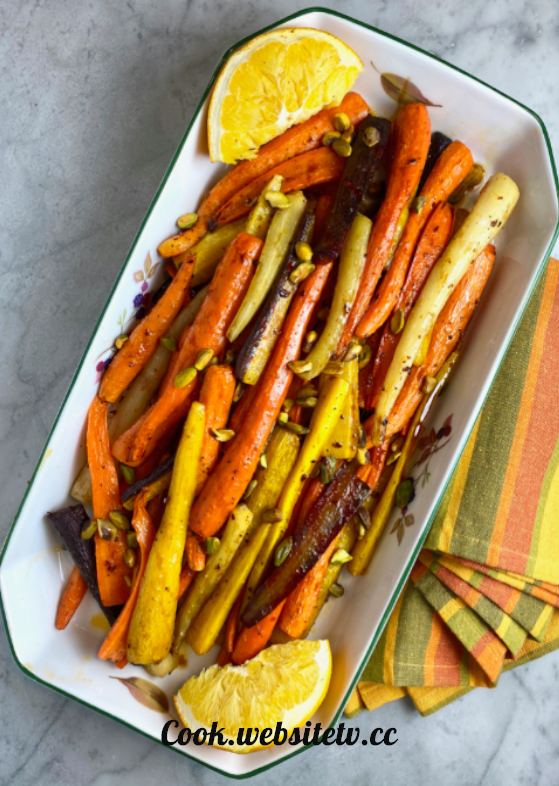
451,168
252,640
447,332
114,646
412,138
73,594
434,240
232,475
227,289
293,142
144,340
301,603
109,555
322,165
216,395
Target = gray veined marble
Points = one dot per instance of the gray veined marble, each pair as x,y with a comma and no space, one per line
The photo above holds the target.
94,98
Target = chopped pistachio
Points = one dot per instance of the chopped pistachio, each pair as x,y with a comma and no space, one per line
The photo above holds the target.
329,137
287,404
429,385
185,377
404,493
128,473
203,358
263,461
327,469
89,529
301,272
334,368
187,221
340,557
303,251
222,434
131,540
365,356
296,428
341,122
361,531
397,321
418,204
283,418
272,515
250,488
363,456
353,351
121,340
307,401
371,136
130,558
238,392
392,458
106,529
341,147
307,390
282,551
128,581
336,590
168,343
309,341
300,366
230,357
119,519
211,545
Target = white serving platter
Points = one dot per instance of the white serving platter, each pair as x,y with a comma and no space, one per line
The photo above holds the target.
503,135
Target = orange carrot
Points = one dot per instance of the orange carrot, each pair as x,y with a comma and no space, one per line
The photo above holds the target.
195,554
217,396
114,646
317,166
412,139
223,657
449,171
447,332
185,580
72,596
251,641
301,603
243,407
226,292
228,482
293,142
433,242
144,340
109,555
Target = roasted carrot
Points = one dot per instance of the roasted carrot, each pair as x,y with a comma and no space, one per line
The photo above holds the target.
185,580
300,604
252,640
243,407
223,657
144,339
195,554
447,332
217,396
114,646
366,374
450,169
73,594
316,166
109,555
412,138
232,624
293,142
434,240
208,330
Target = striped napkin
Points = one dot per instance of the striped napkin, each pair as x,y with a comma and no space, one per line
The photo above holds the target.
483,596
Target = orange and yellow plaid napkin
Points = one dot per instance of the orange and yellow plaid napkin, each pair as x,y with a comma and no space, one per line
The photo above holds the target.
483,596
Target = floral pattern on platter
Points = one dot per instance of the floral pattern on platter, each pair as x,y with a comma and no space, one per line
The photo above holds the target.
429,444
140,305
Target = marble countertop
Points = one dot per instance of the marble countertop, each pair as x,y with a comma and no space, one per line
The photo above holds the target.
94,100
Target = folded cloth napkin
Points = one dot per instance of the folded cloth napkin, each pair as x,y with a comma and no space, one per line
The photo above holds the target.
484,595
501,507
530,613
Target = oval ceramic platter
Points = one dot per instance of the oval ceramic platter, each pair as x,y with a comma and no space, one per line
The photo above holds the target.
502,134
